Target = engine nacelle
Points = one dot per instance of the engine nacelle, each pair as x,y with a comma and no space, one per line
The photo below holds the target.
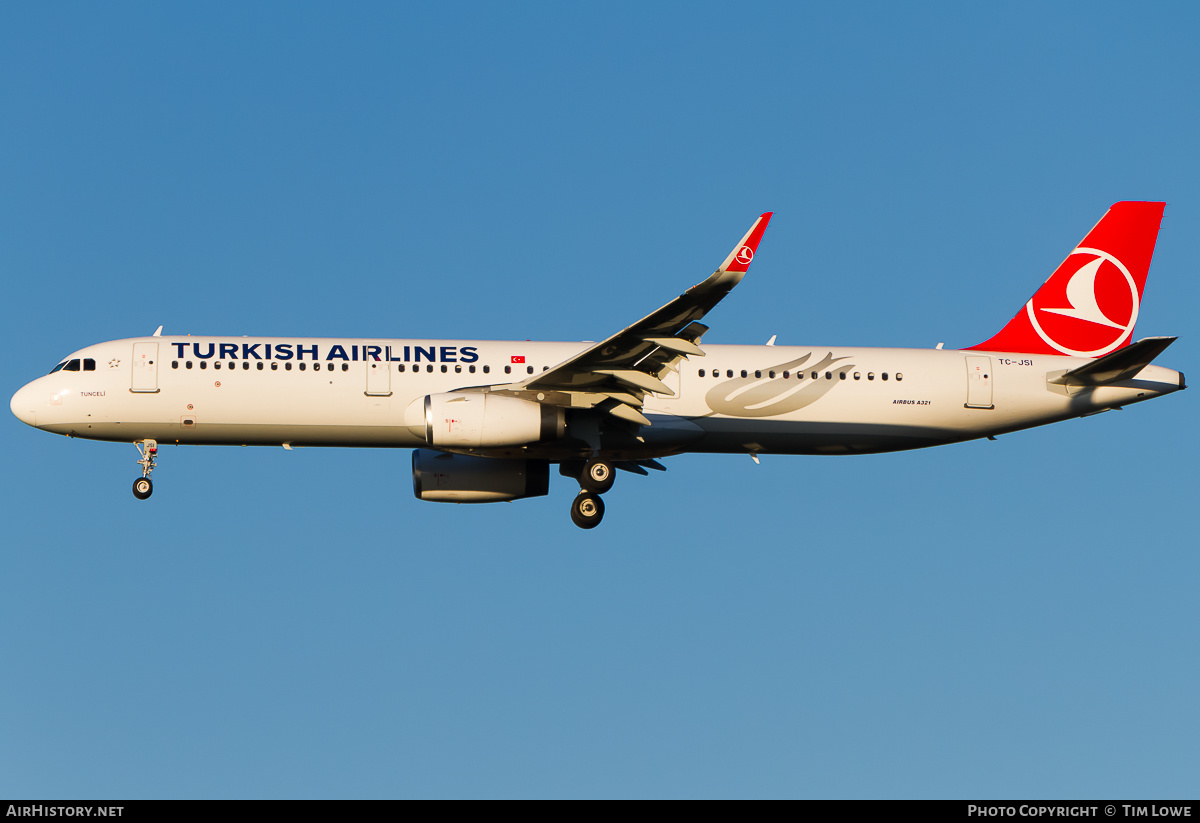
471,420
457,478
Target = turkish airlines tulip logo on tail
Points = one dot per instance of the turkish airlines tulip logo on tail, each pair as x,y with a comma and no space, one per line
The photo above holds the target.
1089,307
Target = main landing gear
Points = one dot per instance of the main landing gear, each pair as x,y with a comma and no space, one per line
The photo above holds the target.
142,487
587,509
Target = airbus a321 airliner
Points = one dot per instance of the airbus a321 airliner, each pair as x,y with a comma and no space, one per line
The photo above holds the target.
488,418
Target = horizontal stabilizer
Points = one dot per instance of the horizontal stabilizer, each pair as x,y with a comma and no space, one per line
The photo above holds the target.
1123,364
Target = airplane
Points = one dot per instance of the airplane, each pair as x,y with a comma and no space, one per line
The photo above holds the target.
487,418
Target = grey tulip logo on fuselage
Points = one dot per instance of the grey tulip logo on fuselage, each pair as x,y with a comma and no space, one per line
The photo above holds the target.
766,397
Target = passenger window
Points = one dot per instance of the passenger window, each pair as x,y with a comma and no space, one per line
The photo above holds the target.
702,372
883,376
870,375
345,367
841,375
729,372
471,369
771,374
444,368
217,364
899,376
398,368
259,365
828,375
204,364
274,367
458,369
188,364
487,369
316,366
286,366
757,373
429,368
174,364
743,372
815,375
508,369
303,366
785,375
858,375
89,364
529,369
245,365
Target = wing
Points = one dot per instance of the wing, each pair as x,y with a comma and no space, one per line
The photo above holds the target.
616,374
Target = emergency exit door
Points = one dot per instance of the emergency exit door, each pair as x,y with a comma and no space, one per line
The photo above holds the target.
979,382
145,367
379,375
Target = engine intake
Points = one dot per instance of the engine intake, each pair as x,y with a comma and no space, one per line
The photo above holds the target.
457,478
471,420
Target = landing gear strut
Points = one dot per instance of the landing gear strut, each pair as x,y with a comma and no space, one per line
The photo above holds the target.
148,449
595,478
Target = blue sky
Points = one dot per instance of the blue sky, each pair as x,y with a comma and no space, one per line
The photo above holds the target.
994,619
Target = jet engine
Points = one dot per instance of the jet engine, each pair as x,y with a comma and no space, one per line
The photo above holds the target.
457,478
471,420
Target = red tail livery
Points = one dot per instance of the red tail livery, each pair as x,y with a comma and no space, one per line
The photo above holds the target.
1089,306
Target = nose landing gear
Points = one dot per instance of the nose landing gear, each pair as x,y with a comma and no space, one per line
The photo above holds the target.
148,449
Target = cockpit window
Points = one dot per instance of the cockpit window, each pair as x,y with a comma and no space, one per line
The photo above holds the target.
59,367
72,365
89,364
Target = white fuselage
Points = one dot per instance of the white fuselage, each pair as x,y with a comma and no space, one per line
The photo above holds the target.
342,392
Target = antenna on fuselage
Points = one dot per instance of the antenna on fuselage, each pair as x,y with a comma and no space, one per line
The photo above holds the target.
157,332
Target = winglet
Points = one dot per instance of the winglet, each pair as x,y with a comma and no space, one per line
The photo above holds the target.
739,259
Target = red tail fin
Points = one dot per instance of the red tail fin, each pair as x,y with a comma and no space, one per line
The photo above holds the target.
1089,306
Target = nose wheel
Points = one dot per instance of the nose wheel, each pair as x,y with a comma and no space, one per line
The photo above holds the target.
148,449
142,488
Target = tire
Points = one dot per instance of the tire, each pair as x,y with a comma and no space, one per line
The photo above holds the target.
597,476
587,510
142,488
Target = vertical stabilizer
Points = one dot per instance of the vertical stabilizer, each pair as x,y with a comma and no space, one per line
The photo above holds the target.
1090,304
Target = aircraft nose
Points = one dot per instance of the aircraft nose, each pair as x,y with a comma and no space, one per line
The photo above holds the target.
22,406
